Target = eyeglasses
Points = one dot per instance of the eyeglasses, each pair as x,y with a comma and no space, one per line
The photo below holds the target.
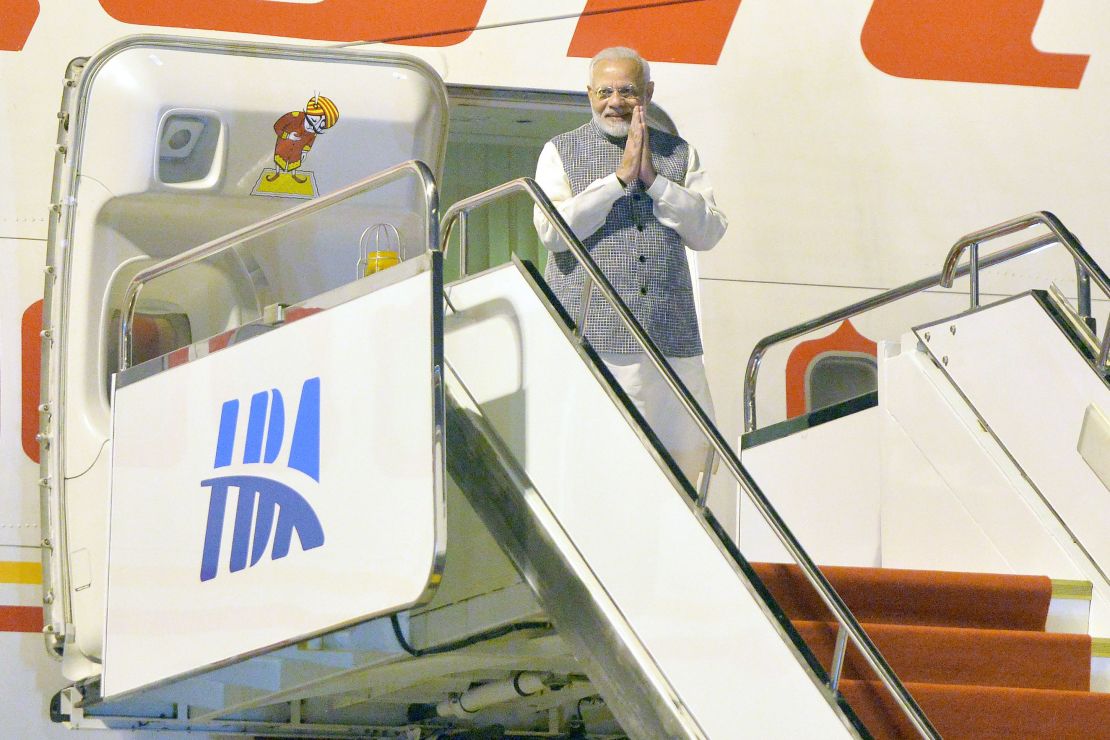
628,92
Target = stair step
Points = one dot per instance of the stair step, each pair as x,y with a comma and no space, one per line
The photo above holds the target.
897,596
983,712
957,655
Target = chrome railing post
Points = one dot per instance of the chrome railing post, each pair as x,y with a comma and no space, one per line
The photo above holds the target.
584,311
1083,294
751,374
464,247
707,472
1104,353
1093,270
126,332
839,650
973,266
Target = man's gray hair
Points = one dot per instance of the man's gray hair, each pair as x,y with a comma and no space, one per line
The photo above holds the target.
620,52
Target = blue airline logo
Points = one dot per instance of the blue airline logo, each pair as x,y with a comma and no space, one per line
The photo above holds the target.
260,498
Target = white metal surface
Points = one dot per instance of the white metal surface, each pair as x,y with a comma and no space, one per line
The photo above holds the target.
364,509
824,482
678,591
952,497
19,515
1020,374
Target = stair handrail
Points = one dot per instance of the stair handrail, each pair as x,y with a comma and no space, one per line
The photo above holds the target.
413,167
1085,267
595,277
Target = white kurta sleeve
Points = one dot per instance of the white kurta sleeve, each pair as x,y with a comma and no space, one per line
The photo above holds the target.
689,208
584,213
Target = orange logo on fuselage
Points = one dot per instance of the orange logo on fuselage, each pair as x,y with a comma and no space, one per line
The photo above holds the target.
984,41
19,19
963,41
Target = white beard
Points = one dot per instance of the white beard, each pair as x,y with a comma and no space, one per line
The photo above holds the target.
612,127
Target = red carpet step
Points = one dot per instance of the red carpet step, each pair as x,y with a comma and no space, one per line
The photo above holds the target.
984,712
969,647
894,596
956,655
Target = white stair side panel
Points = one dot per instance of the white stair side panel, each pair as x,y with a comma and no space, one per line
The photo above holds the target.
824,481
951,497
1026,381
1100,675
924,523
1069,615
19,519
367,485
703,628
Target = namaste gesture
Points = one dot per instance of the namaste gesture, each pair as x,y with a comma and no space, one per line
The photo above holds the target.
636,163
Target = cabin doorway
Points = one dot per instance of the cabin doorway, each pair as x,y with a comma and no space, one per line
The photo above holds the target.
496,135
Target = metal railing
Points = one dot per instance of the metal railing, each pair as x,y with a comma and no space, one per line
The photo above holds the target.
414,168
1085,268
849,626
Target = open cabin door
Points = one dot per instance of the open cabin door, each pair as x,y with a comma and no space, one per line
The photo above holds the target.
166,144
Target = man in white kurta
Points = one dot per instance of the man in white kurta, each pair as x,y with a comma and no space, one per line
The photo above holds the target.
637,198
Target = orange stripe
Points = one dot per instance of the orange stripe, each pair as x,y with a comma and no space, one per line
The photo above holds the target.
20,619
31,366
20,572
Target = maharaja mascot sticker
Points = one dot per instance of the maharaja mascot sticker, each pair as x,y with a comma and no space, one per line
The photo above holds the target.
296,133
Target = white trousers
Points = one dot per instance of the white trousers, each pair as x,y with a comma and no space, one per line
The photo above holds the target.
659,405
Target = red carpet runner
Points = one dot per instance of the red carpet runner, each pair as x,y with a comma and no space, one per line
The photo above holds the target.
971,649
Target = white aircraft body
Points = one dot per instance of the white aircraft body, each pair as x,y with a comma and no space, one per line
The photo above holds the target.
849,143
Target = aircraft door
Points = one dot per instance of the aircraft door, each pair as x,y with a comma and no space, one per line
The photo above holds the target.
168,143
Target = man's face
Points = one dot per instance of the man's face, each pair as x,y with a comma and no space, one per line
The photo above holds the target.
621,79
314,124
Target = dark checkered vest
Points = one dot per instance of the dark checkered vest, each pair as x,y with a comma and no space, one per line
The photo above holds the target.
643,259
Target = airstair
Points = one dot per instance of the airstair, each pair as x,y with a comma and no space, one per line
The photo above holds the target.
317,506
649,607
982,454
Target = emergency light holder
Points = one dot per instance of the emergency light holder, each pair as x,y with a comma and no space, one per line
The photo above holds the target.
378,249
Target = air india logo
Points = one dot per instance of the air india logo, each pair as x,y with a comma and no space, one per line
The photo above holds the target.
268,511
